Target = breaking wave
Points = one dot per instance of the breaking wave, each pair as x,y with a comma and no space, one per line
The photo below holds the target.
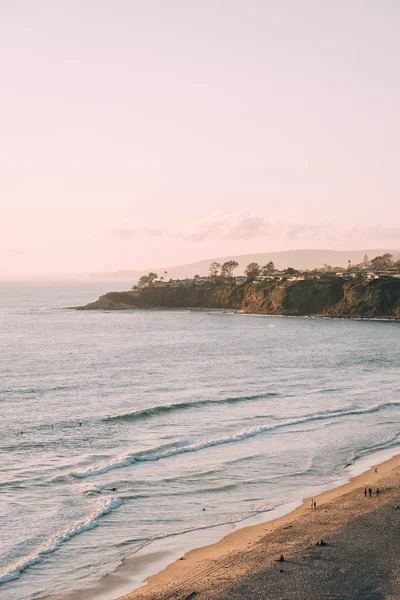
51,545
160,453
382,445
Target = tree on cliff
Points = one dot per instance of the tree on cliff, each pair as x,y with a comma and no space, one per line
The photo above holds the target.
382,262
214,270
252,270
146,280
228,268
268,269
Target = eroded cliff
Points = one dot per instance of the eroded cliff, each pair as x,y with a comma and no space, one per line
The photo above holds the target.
336,298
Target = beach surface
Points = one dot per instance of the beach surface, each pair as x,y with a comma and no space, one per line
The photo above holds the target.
360,558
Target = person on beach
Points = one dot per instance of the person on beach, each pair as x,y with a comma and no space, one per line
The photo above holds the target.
377,491
315,504
370,492
365,492
312,503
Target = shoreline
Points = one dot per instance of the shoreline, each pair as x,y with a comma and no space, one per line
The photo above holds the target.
177,566
191,566
235,311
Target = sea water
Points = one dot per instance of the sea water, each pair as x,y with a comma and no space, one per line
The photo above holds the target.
118,428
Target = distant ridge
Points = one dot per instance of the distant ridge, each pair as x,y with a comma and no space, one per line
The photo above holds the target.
298,259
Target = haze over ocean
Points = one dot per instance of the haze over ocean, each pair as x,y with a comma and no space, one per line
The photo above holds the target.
144,134
133,422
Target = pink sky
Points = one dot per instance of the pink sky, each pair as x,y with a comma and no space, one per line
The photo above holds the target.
147,133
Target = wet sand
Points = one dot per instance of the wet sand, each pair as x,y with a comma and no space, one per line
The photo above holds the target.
361,558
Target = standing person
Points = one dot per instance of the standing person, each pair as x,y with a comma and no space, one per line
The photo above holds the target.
311,503
370,492
377,491
315,504
365,492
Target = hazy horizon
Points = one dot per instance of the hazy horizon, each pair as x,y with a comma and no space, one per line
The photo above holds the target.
143,134
301,258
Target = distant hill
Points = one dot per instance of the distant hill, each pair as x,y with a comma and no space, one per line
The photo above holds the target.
298,259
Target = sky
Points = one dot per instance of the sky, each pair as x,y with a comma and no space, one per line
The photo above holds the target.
145,133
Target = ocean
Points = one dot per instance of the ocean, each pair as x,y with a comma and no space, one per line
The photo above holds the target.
118,428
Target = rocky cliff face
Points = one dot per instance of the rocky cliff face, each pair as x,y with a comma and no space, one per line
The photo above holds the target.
379,298
309,297
336,298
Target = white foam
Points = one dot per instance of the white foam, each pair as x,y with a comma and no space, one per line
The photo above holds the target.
14,570
129,459
369,450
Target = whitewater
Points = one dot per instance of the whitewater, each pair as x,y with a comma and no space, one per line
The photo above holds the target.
118,428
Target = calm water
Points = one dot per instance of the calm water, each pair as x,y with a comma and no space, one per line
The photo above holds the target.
134,421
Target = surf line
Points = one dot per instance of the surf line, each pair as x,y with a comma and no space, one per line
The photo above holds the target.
156,454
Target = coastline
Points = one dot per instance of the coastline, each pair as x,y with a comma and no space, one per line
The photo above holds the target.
330,297
200,569
235,311
202,566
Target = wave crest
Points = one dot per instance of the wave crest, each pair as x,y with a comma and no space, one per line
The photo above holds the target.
14,570
167,408
161,452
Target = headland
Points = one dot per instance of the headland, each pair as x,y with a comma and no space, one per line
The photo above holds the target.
334,297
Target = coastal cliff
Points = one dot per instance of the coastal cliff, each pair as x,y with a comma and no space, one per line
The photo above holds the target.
335,298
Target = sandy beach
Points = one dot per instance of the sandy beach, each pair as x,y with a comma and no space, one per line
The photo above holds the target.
359,560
